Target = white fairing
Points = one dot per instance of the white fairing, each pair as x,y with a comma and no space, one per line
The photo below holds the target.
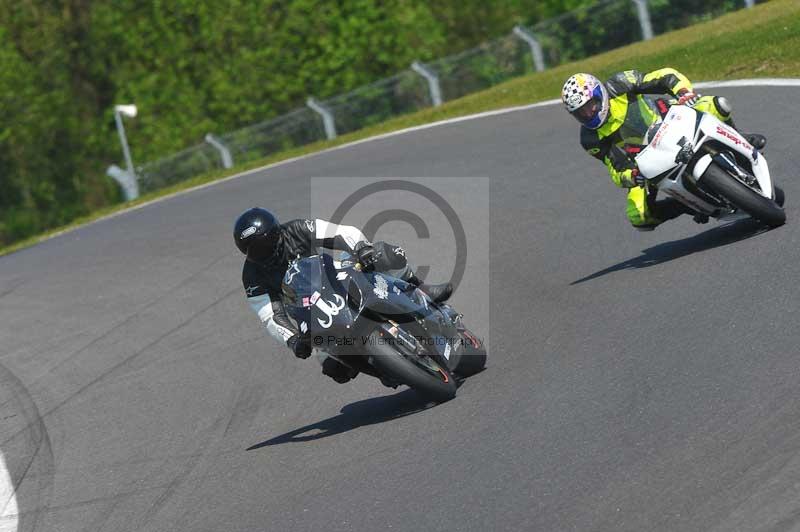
715,129
701,166
659,155
680,127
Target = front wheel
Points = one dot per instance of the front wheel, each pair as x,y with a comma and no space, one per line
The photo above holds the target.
429,378
743,197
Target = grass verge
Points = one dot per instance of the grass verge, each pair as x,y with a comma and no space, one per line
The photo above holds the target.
750,43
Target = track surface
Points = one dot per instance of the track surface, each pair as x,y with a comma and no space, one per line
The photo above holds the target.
636,381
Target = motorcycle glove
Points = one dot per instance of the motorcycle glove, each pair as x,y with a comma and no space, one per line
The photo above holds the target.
687,97
300,345
367,255
638,178
630,178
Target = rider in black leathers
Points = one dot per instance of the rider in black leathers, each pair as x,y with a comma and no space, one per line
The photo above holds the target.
271,246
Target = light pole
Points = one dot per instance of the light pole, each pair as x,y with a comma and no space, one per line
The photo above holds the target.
126,178
130,112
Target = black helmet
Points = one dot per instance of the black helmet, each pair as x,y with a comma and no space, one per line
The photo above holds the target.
256,233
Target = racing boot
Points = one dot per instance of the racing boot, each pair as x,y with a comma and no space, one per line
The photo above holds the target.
439,293
757,140
338,371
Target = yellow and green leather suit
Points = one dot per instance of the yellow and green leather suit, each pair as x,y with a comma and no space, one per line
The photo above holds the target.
630,114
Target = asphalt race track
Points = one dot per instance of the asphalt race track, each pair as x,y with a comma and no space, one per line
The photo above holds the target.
636,381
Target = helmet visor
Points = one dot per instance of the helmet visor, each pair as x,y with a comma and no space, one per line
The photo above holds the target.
588,111
263,249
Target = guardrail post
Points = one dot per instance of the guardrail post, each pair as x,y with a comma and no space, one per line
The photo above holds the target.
128,181
536,48
327,117
224,152
644,19
432,79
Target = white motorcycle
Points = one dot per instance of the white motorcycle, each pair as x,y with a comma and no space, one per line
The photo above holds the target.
709,167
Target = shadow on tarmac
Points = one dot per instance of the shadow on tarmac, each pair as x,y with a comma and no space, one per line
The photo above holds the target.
713,238
358,414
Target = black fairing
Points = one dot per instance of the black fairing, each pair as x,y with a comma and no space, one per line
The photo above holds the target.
345,303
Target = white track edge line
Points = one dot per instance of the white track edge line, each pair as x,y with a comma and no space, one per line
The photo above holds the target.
8,500
755,82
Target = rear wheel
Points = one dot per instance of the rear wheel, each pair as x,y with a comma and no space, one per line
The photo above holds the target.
425,375
743,197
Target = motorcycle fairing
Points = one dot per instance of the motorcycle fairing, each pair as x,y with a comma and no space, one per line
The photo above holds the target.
661,160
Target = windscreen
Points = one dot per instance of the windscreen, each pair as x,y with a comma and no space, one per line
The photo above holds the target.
641,115
652,131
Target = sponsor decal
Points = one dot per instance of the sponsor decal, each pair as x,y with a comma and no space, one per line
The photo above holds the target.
310,225
447,349
400,251
575,100
735,138
350,242
381,287
304,327
341,276
249,231
307,302
396,290
291,272
251,290
660,133
314,297
329,308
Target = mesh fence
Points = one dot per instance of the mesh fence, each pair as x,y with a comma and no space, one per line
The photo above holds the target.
583,32
400,94
610,24
483,66
668,15
588,31
297,128
178,167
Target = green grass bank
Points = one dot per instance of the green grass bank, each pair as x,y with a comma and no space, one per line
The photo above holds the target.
750,43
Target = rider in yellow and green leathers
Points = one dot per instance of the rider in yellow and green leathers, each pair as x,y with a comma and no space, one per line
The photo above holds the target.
614,118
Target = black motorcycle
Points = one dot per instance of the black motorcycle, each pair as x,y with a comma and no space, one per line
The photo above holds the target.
381,326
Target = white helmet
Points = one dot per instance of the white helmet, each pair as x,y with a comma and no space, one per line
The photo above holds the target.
586,98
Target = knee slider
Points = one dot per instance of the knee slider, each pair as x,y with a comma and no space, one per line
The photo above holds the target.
723,105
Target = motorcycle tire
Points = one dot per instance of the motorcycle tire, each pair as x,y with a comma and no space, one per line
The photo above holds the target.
387,360
743,197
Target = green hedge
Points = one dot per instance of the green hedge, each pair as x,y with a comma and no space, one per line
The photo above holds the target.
199,66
